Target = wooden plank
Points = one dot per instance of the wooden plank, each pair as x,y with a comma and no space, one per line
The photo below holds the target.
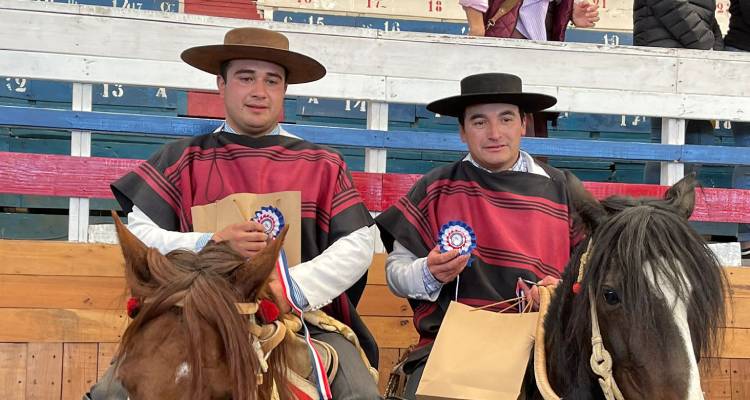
44,371
736,343
433,9
740,379
613,14
716,380
226,8
79,369
60,258
377,300
392,331
12,371
205,104
739,279
81,292
738,312
59,175
154,5
106,355
583,100
371,138
61,325
376,272
388,358
688,70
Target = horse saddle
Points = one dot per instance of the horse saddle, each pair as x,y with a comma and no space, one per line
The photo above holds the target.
300,368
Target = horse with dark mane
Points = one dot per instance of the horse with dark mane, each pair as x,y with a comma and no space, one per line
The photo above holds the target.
658,296
189,341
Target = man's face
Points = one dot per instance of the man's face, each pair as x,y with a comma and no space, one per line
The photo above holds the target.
493,134
253,95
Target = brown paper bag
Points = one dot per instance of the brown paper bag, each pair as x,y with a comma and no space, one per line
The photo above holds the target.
240,207
478,355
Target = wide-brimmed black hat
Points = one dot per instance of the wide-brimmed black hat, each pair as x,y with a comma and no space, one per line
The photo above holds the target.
255,44
491,88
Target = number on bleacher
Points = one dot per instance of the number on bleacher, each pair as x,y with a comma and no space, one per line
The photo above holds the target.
127,4
118,91
611,39
392,26
17,85
434,5
315,20
635,121
361,104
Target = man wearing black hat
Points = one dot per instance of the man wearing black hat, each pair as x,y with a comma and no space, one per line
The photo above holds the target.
251,153
516,206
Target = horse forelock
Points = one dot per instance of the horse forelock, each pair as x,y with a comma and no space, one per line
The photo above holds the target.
679,259
201,284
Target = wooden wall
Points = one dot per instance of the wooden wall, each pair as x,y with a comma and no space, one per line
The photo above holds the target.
61,315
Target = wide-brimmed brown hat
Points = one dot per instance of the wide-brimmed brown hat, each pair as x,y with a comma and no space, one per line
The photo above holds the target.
491,88
255,44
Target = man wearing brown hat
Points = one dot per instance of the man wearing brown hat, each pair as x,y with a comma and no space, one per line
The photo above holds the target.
512,206
251,153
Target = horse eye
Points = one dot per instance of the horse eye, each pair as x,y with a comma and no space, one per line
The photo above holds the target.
611,297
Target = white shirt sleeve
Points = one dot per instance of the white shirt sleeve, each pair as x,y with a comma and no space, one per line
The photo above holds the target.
405,274
339,267
320,280
165,241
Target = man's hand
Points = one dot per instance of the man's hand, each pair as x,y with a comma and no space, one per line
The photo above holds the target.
445,267
246,238
585,14
533,292
277,291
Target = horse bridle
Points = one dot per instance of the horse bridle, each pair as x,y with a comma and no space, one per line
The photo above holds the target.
601,360
264,337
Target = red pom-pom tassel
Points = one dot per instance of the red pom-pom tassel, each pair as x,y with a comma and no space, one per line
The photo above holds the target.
576,288
133,306
267,311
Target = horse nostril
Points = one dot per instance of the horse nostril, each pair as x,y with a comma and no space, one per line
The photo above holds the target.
611,297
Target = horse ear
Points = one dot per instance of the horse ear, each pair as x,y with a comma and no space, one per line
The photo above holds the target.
585,205
682,195
135,252
252,276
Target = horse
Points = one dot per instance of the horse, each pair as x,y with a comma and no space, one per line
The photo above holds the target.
188,340
656,291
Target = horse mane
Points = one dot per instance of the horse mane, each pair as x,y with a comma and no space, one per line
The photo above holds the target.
205,286
630,233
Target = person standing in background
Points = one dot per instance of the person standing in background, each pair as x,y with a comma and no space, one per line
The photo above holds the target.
533,20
